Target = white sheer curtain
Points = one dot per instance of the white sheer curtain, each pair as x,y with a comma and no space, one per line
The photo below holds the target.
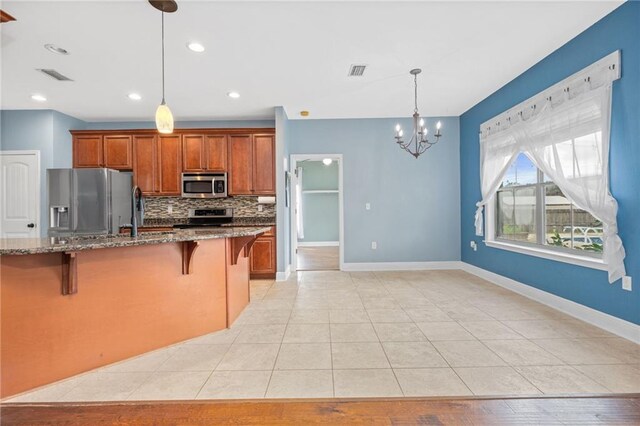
568,140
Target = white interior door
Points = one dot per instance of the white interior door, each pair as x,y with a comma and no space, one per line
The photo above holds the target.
19,194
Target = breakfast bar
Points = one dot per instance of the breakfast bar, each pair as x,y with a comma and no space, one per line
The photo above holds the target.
69,305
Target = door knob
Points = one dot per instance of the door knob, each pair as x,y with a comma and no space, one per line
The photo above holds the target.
31,225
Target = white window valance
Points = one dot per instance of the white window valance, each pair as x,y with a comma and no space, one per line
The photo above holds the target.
564,130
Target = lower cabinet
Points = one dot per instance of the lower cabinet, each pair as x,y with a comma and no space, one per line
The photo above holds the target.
262,259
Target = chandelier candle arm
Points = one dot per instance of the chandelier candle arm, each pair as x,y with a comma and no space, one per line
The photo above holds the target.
418,143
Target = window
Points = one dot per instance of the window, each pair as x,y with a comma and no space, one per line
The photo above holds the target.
532,210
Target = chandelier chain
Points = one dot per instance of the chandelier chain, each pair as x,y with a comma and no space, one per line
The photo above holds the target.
415,93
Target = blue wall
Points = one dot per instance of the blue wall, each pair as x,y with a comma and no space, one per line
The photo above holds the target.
46,131
283,216
320,210
415,203
618,30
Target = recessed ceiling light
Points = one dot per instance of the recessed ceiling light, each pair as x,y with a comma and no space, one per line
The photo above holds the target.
134,96
55,49
304,113
234,95
195,47
38,98
327,161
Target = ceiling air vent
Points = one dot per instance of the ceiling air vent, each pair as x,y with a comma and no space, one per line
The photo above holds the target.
54,74
356,70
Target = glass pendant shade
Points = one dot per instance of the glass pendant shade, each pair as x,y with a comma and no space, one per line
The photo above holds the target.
164,119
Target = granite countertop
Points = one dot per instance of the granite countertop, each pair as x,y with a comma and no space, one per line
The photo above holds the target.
20,246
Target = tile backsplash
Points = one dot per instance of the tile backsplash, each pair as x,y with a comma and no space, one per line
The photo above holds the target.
243,206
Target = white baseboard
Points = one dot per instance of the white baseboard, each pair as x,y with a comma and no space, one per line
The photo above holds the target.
319,244
618,326
283,276
400,266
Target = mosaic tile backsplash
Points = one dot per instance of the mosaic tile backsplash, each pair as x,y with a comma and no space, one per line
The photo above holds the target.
243,206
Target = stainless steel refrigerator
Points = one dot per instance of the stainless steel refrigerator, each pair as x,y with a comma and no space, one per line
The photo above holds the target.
88,201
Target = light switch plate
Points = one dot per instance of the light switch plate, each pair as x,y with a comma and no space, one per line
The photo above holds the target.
626,283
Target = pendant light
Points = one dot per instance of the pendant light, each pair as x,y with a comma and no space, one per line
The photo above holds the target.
164,117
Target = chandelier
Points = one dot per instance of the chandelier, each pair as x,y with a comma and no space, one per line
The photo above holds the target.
418,143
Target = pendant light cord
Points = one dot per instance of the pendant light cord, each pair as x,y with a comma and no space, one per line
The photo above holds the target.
163,57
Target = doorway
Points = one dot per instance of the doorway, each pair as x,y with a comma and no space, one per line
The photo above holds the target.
317,212
19,194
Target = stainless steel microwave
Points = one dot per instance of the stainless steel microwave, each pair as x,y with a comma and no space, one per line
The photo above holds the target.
204,185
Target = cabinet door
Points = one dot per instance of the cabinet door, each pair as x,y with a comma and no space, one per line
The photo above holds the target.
216,150
240,165
118,152
193,153
87,151
145,164
263,256
264,179
170,160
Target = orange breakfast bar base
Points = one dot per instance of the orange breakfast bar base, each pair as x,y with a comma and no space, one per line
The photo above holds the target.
129,301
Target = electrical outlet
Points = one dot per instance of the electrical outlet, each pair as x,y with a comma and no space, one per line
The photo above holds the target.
170,208
473,245
374,245
260,207
367,206
626,283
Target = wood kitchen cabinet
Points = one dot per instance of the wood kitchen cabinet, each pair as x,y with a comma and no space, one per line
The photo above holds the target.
262,259
118,152
158,164
264,176
88,151
158,160
240,165
111,151
204,153
252,164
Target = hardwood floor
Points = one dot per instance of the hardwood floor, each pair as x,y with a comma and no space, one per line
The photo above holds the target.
599,410
318,258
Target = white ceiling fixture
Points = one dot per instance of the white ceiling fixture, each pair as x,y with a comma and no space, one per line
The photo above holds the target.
56,49
282,55
327,161
195,47
38,98
134,96
234,95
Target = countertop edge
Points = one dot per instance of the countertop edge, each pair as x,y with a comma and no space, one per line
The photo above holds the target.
142,239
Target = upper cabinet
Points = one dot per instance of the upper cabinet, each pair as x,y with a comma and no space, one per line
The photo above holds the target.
157,161
241,166
264,173
157,164
88,151
252,164
204,153
118,152
112,151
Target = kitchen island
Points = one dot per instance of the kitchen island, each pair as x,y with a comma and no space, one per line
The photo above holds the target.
69,305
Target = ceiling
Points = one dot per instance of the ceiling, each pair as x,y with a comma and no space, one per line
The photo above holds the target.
291,54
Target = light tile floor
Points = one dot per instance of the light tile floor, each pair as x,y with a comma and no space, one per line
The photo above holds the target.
336,334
